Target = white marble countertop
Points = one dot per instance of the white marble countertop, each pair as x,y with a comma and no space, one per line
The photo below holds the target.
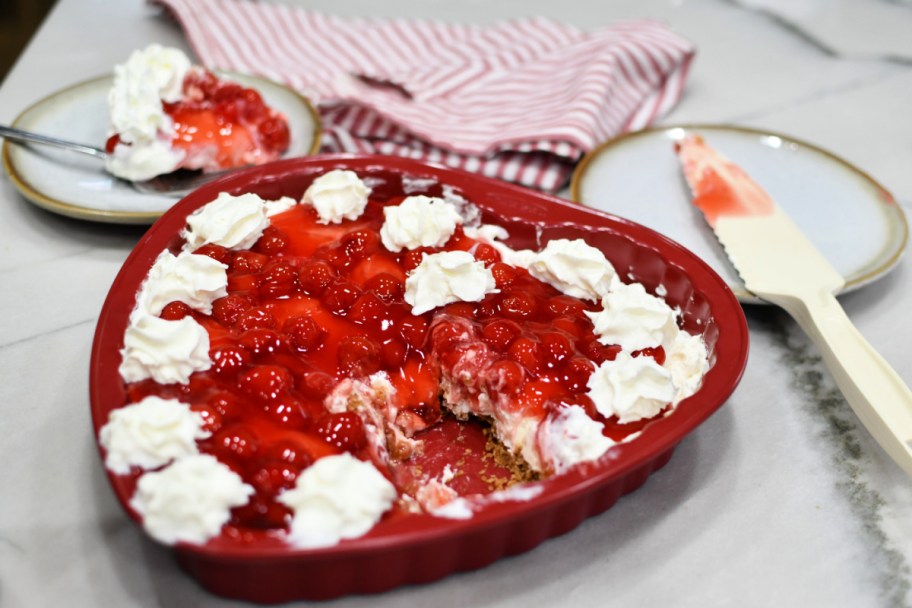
780,499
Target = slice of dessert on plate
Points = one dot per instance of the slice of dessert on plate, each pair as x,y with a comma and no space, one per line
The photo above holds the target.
168,114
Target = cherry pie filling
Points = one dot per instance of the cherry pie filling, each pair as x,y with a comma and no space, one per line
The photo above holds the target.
311,305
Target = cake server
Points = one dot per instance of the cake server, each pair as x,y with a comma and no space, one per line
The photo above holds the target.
779,264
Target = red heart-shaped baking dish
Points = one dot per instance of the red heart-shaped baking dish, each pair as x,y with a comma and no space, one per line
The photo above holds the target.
418,548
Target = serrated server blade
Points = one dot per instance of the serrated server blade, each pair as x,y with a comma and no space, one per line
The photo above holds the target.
779,264
766,247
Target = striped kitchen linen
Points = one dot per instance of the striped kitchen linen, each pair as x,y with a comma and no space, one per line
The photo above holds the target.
520,100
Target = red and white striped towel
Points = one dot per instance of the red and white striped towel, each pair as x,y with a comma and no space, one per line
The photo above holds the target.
520,100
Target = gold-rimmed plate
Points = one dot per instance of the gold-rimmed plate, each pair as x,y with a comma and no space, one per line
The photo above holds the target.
852,219
78,186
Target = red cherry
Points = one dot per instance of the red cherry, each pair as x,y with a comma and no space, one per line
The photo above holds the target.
584,401
339,297
278,280
392,354
225,91
505,377
228,360
175,311
289,452
216,252
227,309
410,260
335,256
274,477
316,385
460,309
265,382
413,330
252,107
286,411
225,403
315,276
518,305
272,241
247,262
304,333
243,283
255,318
359,244
599,352
261,512
345,430
486,253
556,347
212,418
568,325
576,374
447,334
111,143
274,133
227,112
358,356
387,287
528,352
368,310
487,308
199,383
656,352
250,97
208,82
235,443
500,333
565,306
262,341
504,274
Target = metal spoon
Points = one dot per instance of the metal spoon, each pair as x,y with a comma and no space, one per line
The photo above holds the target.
176,184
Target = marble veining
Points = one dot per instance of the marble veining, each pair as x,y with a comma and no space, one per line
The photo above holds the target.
830,25
841,432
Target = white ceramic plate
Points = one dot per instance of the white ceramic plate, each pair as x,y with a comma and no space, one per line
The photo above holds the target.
851,218
78,186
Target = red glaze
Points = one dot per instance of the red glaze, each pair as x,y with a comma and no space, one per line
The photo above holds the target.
720,187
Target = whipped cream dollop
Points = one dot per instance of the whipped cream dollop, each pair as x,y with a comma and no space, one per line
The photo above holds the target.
150,433
572,267
687,360
137,115
337,195
234,222
189,500
569,436
489,233
337,497
631,388
195,280
166,351
418,221
280,205
445,277
634,319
